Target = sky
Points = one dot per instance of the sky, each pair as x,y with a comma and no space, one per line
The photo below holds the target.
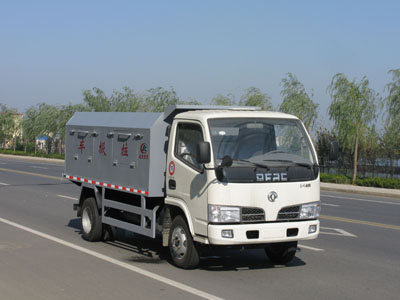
50,51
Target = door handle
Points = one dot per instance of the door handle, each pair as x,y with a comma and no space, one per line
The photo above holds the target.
172,184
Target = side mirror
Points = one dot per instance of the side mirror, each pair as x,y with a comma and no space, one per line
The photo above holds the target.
203,154
220,171
226,161
334,151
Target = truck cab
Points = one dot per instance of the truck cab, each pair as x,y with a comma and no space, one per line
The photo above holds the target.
268,192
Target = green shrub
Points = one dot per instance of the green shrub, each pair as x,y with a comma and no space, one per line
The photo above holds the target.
38,154
335,178
387,183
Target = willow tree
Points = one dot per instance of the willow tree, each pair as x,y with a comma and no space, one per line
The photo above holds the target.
392,101
227,100
352,109
254,97
296,101
7,124
391,136
96,100
30,128
126,100
157,99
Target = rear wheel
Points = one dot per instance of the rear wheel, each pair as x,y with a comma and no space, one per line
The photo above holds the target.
281,253
91,221
181,246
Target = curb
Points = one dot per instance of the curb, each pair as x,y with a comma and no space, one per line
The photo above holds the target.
371,191
43,159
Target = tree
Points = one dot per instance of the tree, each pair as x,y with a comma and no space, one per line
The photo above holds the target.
125,101
120,101
96,100
391,135
159,98
254,97
29,125
322,144
65,112
369,147
296,101
222,100
7,124
390,143
16,131
352,109
392,101
47,123
190,102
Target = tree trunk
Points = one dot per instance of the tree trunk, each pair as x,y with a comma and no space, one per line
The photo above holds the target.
60,147
392,168
355,159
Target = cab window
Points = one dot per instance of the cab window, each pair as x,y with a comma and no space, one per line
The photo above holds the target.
187,137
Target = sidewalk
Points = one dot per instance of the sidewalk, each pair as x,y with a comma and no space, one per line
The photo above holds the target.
372,191
42,159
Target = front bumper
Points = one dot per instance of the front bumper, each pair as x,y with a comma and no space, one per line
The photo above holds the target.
244,234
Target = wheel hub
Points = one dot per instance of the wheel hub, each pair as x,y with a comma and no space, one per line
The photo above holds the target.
179,243
86,222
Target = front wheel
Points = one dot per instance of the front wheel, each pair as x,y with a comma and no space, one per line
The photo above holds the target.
91,221
181,246
281,253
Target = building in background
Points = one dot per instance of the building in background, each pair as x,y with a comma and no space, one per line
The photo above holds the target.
41,142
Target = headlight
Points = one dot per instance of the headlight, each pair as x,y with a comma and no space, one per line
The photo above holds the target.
310,210
223,214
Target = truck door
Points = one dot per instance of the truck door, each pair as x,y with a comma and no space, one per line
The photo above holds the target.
185,180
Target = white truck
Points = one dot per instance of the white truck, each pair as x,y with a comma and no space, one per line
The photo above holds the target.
195,176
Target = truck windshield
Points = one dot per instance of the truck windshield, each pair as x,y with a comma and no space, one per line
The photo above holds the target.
270,142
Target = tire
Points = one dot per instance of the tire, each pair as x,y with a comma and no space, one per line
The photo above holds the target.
109,233
91,221
181,246
281,253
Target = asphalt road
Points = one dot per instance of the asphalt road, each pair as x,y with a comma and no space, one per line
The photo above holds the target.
42,255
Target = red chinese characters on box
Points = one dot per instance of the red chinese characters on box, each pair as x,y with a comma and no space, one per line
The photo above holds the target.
102,148
124,149
81,145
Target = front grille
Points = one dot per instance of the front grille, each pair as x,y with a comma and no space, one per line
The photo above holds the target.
252,214
288,213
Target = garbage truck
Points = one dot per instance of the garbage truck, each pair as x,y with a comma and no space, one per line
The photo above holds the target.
196,177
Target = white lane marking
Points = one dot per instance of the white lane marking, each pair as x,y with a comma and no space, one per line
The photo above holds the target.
2,183
336,231
310,248
328,204
3,163
114,261
364,200
37,167
67,197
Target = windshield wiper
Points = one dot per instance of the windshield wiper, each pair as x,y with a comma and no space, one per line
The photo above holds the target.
252,162
305,165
